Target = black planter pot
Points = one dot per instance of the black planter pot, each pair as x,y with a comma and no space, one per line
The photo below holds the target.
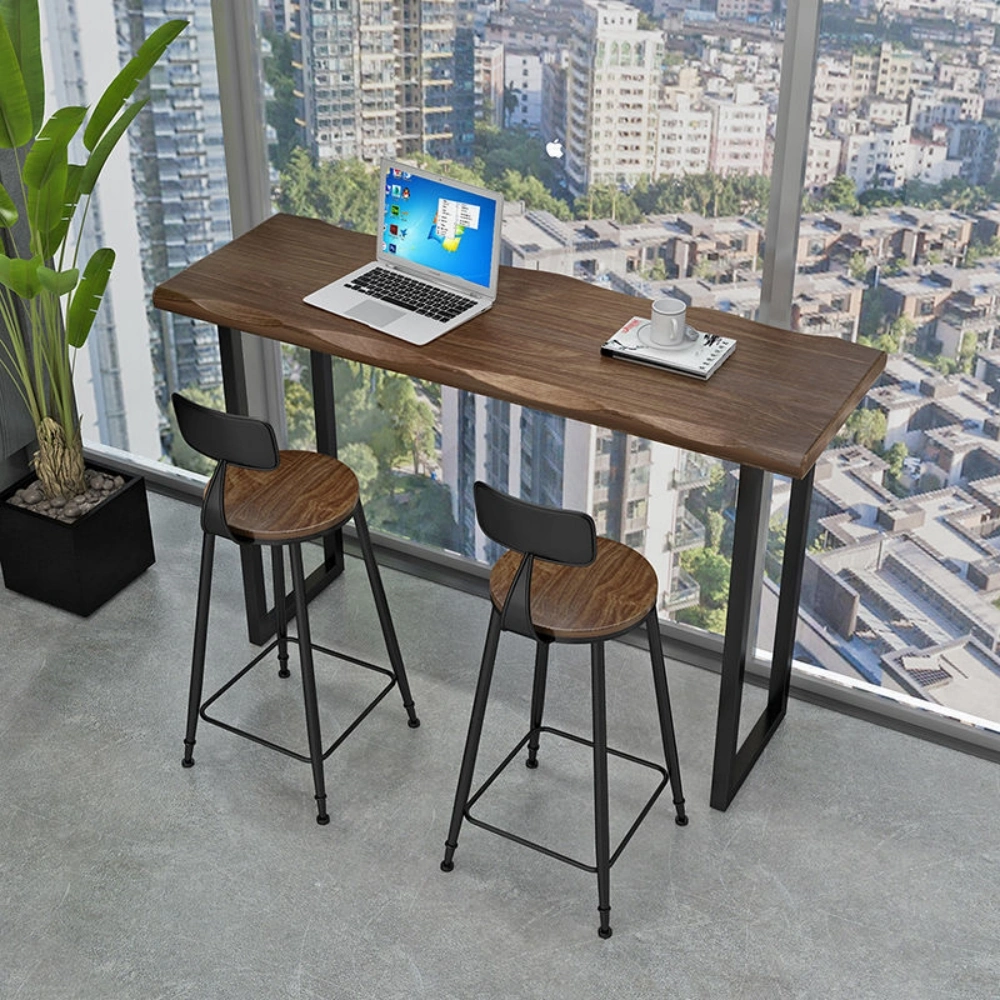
78,566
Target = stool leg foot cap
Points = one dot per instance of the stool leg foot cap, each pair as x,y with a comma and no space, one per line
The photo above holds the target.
323,820
447,866
187,762
681,821
414,723
604,932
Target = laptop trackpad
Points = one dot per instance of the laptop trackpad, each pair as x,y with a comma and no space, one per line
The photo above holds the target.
376,314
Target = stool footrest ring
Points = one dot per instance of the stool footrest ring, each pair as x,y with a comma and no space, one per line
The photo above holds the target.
255,738
665,778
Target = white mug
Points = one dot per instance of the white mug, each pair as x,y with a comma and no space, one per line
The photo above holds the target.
667,327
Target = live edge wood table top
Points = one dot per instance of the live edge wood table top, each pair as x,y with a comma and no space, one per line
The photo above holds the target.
774,404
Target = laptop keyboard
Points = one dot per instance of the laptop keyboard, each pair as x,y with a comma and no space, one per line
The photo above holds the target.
399,290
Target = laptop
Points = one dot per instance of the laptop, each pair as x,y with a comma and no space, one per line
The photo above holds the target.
437,258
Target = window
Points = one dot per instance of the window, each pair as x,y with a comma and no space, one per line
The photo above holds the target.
869,238
162,203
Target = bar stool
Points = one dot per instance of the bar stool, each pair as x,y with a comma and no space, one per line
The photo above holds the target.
561,583
260,496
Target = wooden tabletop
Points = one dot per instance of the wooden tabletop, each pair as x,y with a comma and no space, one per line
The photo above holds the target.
775,403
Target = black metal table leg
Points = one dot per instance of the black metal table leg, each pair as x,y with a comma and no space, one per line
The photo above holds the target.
733,762
261,620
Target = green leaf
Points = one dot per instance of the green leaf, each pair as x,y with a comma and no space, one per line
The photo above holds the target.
16,126
87,298
50,150
45,204
21,18
123,86
95,162
58,282
8,210
71,195
20,276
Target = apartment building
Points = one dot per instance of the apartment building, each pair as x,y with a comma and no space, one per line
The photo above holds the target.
893,77
613,83
739,133
743,10
931,106
489,82
559,462
822,161
877,157
834,82
524,87
683,137
383,78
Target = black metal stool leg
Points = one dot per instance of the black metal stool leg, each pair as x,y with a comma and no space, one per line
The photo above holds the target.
200,642
472,739
666,716
602,835
537,700
280,610
384,617
308,682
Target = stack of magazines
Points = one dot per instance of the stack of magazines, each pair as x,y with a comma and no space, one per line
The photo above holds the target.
699,355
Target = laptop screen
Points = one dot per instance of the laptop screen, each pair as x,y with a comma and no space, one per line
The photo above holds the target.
437,223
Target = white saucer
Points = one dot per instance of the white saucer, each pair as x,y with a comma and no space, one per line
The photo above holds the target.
642,334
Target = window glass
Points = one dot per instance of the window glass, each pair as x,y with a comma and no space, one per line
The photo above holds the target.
162,204
635,152
632,152
899,248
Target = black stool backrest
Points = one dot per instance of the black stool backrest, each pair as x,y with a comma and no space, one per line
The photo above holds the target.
560,536
230,439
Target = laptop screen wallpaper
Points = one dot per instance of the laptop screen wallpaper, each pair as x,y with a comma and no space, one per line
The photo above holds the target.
432,223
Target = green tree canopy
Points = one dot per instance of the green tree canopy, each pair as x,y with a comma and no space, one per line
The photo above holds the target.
517,187
707,194
894,458
840,194
345,192
711,570
865,427
607,201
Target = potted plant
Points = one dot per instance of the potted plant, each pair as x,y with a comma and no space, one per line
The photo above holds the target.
48,301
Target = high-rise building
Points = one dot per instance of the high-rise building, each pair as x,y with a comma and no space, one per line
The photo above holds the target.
739,133
387,78
489,91
523,74
349,78
684,138
613,84
463,92
180,185
743,10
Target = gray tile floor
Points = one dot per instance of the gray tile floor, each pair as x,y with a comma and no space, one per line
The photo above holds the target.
856,862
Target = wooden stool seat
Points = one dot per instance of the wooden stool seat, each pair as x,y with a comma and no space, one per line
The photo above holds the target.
611,595
307,495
